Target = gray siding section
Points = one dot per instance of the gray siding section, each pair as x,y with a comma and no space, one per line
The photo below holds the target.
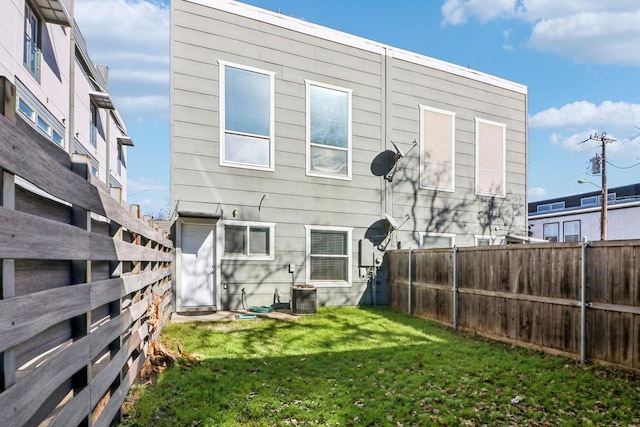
201,36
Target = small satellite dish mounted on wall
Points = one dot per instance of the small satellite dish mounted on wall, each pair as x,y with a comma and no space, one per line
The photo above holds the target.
399,155
393,226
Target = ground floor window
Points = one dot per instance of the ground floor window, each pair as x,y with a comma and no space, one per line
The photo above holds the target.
550,232
328,256
571,231
437,240
252,240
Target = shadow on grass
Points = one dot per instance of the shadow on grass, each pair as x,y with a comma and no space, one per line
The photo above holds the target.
373,366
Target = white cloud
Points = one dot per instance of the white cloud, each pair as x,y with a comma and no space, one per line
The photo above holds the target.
458,12
621,116
144,185
574,123
537,192
585,31
131,37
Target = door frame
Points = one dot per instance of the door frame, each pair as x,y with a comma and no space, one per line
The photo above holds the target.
216,225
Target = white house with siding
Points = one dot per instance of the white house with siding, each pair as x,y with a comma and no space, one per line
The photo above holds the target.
59,91
577,216
297,149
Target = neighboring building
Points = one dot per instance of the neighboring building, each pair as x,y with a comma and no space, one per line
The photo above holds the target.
283,168
570,218
59,90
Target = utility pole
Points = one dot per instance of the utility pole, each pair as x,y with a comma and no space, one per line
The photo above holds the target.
603,139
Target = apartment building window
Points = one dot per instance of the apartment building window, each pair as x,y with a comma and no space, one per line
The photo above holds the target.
31,55
93,126
328,131
328,256
437,240
246,117
26,110
550,232
40,121
121,159
490,158
571,231
248,240
437,149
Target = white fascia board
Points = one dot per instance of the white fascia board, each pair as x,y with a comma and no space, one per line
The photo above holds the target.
295,24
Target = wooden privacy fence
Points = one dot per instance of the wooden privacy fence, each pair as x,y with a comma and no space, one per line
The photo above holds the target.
80,276
581,300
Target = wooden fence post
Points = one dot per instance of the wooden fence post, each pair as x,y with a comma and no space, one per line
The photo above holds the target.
583,301
454,279
81,273
7,290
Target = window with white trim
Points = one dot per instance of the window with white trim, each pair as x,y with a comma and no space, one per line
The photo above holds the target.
571,231
246,117
482,240
490,158
248,240
437,240
437,149
328,256
550,232
31,56
328,131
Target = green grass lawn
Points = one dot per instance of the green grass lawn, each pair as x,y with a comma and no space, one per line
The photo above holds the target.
373,367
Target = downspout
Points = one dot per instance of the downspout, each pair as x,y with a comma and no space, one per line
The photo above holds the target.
72,81
455,288
410,282
583,301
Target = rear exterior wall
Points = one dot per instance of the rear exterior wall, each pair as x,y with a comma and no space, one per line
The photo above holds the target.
386,96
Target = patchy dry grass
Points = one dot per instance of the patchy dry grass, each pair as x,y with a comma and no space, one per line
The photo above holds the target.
373,366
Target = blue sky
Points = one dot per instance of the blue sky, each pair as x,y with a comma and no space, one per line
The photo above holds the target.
579,58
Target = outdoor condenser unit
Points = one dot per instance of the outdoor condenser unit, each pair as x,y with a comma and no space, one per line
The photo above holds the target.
303,299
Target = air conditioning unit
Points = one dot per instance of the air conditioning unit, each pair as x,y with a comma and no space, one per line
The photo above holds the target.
304,299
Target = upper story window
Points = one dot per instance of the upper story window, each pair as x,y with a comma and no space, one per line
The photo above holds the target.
328,131
246,117
490,158
550,206
93,126
31,55
592,200
121,159
437,149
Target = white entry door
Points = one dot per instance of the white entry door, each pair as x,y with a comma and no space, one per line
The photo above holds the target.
198,265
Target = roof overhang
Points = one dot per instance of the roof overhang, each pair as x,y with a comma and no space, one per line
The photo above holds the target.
194,214
54,11
102,100
125,140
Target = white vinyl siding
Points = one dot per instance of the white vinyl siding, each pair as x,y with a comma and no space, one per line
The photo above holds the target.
246,117
328,130
490,158
437,149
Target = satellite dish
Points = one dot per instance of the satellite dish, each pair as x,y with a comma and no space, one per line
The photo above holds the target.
399,152
392,222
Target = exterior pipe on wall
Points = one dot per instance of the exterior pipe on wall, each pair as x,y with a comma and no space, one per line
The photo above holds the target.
583,301
455,287
410,283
